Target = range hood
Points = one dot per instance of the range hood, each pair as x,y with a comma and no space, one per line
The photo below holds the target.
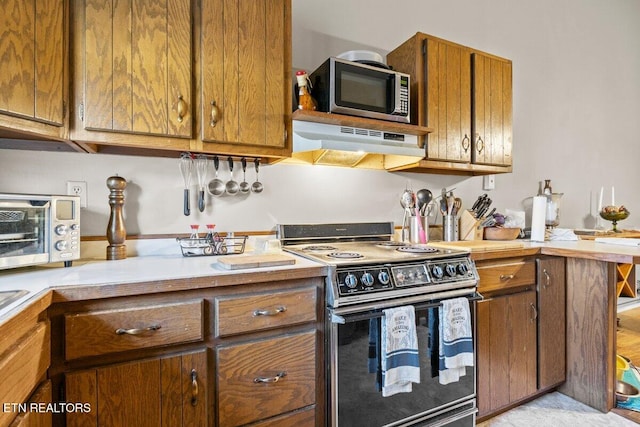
340,145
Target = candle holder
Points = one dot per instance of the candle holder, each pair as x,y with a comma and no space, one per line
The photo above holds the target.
614,214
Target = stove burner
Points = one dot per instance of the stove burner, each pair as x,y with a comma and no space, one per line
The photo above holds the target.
345,255
391,244
319,248
417,249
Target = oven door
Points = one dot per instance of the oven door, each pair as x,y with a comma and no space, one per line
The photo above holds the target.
354,396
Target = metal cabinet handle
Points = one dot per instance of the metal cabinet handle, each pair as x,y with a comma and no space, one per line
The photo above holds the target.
182,109
466,142
547,278
504,277
215,114
278,310
275,379
480,144
138,331
535,312
194,387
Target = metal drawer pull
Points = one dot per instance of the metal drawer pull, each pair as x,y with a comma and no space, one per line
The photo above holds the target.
194,387
506,276
547,278
270,380
278,310
122,331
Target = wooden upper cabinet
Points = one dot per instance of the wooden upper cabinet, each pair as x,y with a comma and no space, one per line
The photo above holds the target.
492,110
33,40
448,109
465,97
245,68
137,69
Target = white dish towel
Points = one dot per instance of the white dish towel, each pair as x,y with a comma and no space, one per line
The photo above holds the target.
456,339
399,349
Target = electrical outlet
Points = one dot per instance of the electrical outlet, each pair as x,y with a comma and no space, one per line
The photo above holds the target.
78,188
489,182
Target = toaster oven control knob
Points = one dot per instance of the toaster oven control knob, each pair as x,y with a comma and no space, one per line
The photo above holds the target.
451,270
383,277
75,227
463,269
350,280
61,230
437,271
61,245
367,279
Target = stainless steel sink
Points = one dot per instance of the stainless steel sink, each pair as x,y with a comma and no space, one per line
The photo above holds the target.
7,297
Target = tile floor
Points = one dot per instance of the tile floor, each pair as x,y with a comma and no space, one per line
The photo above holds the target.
556,410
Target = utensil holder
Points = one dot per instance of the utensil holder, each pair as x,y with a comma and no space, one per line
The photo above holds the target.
414,229
470,227
449,228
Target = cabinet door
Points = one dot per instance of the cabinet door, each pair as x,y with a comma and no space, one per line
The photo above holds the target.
506,350
492,110
551,321
167,391
32,38
42,396
245,68
448,89
136,74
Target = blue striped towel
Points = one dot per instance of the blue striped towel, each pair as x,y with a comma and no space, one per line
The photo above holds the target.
399,350
456,340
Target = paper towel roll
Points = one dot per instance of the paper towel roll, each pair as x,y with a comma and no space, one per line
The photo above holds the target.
538,218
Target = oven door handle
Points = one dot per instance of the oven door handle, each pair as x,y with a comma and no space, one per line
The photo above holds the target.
355,317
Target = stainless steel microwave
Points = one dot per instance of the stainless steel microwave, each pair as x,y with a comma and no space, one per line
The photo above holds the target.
357,89
38,229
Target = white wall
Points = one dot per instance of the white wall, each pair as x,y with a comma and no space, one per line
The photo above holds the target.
576,121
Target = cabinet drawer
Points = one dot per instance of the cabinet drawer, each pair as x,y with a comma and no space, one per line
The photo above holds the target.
254,312
22,367
260,379
110,331
494,277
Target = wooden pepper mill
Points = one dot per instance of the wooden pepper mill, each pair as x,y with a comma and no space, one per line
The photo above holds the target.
116,232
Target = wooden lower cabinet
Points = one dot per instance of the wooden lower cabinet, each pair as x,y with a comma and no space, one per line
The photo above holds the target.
521,330
40,417
264,378
506,350
552,335
163,391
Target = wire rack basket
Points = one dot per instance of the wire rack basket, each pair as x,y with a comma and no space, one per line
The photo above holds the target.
212,245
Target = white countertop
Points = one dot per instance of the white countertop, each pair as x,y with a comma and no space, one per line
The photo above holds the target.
158,265
138,269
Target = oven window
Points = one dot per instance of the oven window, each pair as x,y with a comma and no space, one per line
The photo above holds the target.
22,231
358,395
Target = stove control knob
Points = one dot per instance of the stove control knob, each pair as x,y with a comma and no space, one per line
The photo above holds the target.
463,269
451,270
350,280
367,279
437,271
383,277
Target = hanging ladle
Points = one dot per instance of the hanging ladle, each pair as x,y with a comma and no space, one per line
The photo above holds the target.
216,186
232,186
244,185
257,186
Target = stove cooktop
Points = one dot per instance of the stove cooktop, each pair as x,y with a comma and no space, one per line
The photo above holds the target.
376,252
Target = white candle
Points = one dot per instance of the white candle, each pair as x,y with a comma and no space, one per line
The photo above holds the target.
613,196
600,200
